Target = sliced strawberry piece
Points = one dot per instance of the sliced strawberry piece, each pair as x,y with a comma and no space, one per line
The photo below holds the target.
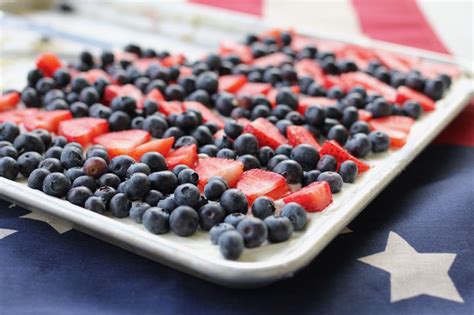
162,146
392,61
364,115
331,147
173,60
300,135
308,67
186,155
271,95
396,127
254,88
48,63
404,93
154,95
185,71
9,100
83,130
112,90
231,83
371,83
94,74
431,68
298,42
308,101
172,107
122,142
314,197
231,48
330,81
256,183
266,133
228,169
207,114
272,60
17,116
48,120
144,63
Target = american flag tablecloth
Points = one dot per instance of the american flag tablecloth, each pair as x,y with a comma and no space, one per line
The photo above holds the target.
410,252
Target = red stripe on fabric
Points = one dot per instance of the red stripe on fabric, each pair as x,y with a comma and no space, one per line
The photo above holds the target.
461,130
397,21
254,7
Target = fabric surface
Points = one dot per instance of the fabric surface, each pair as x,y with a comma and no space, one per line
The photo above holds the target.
409,252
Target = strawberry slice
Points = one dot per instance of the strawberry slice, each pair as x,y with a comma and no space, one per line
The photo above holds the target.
271,95
266,133
396,127
331,147
307,67
113,90
9,100
256,183
254,88
300,135
94,74
231,48
144,63
308,101
228,169
298,42
48,63
83,130
154,95
162,146
314,197
273,60
17,116
364,115
173,60
48,120
207,114
122,142
172,107
231,83
392,61
404,93
371,83
186,155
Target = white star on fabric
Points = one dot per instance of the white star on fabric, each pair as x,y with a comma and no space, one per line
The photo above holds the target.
6,232
59,225
413,273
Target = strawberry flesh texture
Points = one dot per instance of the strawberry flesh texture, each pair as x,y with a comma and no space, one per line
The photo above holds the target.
231,83
122,142
83,130
230,170
254,88
370,83
404,93
207,114
48,120
172,107
154,95
331,147
256,183
9,100
396,127
112,91
230,48
273,60
314,197
162,146
48,63
308,101
17,116
266,133
186,155
300,135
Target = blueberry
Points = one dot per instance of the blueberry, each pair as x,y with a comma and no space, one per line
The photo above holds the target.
217,230
75,145
188,83
327,163
184,221
78,195
36,178
253,231
9,131
207,81
118,121
306,156
73,173
231,245
200,96
105,193
153,197
359,145
291,170
150,107
315,115
8,168
348,171
138,168
234,218
333,179
202,135
434,89
178,168
137,211
120,205
104,112
226,154
109,179
33,76
380,141
209,149
264,155
78,84
59,141
52,165
379,108
89,96
27,162
164,181
125,104
359,127
137,186
30,98
120,164
95,204
279,228
210,215
284,149
281,110
187,121
249,162
155,220
214,189
95,167
274,161
87,181
185,141
8,151
310,177
349,116
233,129
187,195
338,133
246,144
71,156
263,207
29,142
173,132
234,200
240,112
287,97
174,92
188,176
56,184
155,161
54,152
412,109
155,125
168,204
296,214
44,85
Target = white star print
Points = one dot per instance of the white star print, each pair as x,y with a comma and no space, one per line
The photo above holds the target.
412,273
6,232
59,225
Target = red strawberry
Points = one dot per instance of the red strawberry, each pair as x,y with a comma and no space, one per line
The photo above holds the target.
122,142
207,114
112,90
83,130
185,71
48,63
266,133
228,169
371,83
231,48
231,83
392,61
172,107
331,147
314,197
396,127
162,146
308,67
254,88
48,120
308,101
173,60
9,100
271,95
186,155
256,183
154,95
17,115
92,75
404,93
298,135
274,60
364,115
